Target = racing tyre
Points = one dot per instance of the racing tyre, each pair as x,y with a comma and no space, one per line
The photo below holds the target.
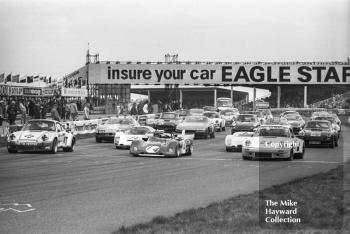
54,147
98,140
224,128
71,148
190,150
336,142
11,151
301,155
331,144
291,156
306,144
228,149
177,151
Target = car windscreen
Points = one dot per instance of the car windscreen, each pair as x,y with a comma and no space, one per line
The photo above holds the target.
196,111
328,118
39,126
276,132
137,131
243,134
317,124
211,115
120,121
196,119
168,116
246,118
292,117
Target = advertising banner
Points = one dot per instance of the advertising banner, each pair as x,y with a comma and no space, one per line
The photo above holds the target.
72,92
223,73
32,91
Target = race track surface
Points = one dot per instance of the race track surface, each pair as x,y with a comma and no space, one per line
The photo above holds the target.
97,188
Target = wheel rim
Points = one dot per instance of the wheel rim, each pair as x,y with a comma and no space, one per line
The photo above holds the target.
191,149
178,152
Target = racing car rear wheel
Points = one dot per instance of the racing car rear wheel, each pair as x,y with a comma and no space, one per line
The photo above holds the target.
54,147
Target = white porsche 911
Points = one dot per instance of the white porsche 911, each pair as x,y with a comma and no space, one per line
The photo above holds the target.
124,139
41,135
234,141
273,141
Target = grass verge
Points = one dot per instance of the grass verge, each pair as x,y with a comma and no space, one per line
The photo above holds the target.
324,207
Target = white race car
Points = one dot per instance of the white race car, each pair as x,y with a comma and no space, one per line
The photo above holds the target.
234,142
216,120
113,125
41,135
124,139
273,141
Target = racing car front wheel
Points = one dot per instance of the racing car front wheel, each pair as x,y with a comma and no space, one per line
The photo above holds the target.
190,150
71,148
54,147
177,151
291,155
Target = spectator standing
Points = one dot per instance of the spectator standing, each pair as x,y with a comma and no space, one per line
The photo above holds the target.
12,112
73,110
2,111
133,110
23,111
37,110
54,113
86,111
31,109
67,110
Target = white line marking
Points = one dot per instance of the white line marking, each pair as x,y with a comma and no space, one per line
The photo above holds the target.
16,207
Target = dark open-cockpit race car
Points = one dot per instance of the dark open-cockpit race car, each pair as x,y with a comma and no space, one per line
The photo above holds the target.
162,144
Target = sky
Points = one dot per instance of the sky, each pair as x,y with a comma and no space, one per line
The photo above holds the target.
41,37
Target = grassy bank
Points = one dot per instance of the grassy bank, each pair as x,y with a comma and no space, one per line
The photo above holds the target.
323,206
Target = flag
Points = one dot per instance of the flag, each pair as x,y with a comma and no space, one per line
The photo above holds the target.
49,80
2,78
42,77
8,78
29,79
36,78
23,79
15,78
45,79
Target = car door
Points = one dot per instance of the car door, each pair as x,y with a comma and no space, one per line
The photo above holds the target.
60,134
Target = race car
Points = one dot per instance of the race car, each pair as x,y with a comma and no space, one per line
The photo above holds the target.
278,121
214,117
245,123
318,132
41,135
289,112
296,121
113,125
163,145
318,113
167,121
333,122
210,108
273,141
195,111
197,125
259,115
234,142
124,139
229,115
266,113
